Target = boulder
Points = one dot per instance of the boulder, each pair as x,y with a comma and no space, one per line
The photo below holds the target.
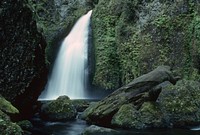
7,127
144,88
96,130
7,107
148,116
60,109
180,104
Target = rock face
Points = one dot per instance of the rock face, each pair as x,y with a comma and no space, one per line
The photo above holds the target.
60,109
133,37
141,89
22,69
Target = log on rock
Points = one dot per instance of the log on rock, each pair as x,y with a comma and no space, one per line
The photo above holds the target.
144,88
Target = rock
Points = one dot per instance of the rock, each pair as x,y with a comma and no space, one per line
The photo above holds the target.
80,105
131,38
180,104
22,70
96,130
148,116
9,128
7,107
144,88
60,109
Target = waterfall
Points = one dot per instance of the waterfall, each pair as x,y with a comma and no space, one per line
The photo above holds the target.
69,74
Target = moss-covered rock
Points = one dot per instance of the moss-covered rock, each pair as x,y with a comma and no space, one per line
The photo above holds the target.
9,128
149,116
180,104
7,107
60,109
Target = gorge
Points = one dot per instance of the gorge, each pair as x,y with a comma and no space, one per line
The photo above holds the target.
129,39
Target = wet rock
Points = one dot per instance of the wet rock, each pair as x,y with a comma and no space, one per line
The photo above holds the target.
144,88
96,130
60,109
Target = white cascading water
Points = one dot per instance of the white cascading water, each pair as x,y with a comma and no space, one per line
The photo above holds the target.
69,73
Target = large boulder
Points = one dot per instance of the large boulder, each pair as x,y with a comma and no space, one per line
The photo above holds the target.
180,104
22,69
148,116
60,109
144,88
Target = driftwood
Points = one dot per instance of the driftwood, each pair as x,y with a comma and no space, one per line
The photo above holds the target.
144,88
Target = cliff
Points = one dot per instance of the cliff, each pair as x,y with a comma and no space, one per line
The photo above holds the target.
133,37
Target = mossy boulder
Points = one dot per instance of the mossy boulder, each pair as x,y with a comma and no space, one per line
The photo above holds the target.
148,116
180,104
7,107
60,109
9,128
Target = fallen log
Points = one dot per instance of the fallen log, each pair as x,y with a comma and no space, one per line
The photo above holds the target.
144,88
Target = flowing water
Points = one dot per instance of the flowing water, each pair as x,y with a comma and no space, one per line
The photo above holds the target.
70,71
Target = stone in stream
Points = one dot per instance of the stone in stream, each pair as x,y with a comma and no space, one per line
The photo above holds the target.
60,109
96,130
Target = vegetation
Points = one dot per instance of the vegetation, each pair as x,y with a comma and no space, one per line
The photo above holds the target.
132,38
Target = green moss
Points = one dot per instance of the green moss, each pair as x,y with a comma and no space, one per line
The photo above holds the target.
132,38
178,100
7,107
9,128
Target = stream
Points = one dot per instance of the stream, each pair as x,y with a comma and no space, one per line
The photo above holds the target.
76,127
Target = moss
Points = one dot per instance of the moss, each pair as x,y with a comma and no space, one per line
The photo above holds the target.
132,38
148,116
176,104
9,128
7,107
59,109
